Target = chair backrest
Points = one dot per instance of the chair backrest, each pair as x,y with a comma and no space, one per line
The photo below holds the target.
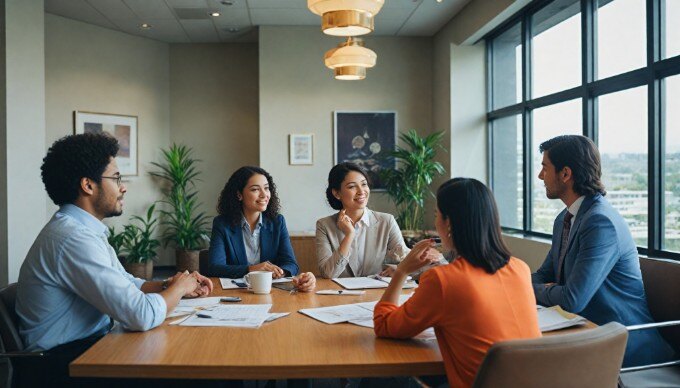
662,287
203,261
9,321
588,358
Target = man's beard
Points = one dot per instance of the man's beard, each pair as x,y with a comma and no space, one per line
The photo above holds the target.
108,210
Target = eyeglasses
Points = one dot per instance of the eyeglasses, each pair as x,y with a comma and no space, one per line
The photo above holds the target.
118,179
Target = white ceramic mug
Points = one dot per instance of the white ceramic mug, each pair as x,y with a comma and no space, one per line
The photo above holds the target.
260,282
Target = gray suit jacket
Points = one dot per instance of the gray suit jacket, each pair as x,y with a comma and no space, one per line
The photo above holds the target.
384,245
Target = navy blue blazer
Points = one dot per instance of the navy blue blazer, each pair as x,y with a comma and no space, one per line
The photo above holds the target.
228,253
602,278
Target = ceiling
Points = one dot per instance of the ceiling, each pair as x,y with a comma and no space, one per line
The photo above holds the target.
187,21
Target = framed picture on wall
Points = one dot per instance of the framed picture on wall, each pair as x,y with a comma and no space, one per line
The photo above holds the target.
122,127
301,149
365,138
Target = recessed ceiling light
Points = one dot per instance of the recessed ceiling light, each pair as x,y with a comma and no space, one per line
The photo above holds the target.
233,30
214,14
439,1
145,26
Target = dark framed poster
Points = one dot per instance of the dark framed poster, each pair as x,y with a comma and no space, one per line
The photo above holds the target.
365,138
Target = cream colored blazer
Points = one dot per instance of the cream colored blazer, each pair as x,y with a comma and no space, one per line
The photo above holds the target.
384,245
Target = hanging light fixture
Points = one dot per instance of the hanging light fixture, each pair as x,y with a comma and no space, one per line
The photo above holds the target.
346,17
350,59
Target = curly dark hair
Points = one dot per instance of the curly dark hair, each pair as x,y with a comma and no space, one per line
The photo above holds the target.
72,158
335,178
231,208
580,154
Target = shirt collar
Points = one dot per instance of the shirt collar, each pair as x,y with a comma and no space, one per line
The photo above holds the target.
365,219
85,218
573,209
245,224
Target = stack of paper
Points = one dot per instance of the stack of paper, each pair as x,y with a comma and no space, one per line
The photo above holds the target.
368,282
189,306
243,315
554,318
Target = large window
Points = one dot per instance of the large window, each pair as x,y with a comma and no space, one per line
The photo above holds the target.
606,69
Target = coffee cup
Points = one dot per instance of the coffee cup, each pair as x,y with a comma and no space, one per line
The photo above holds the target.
260,282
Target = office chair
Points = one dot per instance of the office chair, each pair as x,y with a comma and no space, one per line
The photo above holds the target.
589,358
662,287
11,346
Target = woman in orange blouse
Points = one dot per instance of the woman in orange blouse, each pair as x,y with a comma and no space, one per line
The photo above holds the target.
483,296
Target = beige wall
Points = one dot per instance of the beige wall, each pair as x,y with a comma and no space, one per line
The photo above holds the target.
299,95
22,130
94,69
214,110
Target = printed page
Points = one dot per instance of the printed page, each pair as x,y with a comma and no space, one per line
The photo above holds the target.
244,315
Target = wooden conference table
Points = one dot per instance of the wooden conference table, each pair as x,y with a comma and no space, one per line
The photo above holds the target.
295,346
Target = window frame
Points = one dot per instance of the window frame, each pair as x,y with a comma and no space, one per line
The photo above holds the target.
652,75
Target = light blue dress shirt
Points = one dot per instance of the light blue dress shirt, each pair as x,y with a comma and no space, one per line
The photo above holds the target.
71,283
251,241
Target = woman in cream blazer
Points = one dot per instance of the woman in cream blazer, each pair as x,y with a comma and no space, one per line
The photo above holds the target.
356,241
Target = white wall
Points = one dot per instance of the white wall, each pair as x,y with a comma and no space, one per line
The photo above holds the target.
22,129
90,68
299,95
214,110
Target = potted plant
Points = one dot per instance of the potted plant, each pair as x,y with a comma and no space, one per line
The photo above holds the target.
139,246
409,184
116,242
185,225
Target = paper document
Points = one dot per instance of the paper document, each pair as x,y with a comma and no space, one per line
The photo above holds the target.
228,284
275,316
554,318
357,313
179,311
199,302
243,315
339,292
368,282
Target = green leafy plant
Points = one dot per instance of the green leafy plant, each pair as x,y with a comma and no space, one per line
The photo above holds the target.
185,225
116,239
138,244
409,184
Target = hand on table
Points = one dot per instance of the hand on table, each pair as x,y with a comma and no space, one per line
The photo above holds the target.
388,271
267,266
305,282
202,286
185,281
420,256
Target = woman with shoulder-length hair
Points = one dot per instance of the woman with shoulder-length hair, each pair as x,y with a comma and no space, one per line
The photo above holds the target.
249,234
483,296
356,241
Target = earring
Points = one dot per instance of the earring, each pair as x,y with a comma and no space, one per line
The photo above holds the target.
449,233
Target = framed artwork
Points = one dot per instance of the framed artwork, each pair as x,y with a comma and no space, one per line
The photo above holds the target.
365,138
301,149
122,127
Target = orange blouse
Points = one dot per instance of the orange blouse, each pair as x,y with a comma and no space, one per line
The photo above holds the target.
469,309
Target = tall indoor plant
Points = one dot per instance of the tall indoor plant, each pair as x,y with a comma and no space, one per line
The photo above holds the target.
409,184
185,225
139,245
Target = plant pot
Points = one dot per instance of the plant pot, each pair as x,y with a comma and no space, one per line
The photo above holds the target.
411,237
187,260
140,270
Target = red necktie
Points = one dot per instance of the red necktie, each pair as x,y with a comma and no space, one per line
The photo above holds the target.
566,227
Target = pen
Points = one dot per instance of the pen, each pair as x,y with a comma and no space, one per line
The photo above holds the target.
203,315
339,292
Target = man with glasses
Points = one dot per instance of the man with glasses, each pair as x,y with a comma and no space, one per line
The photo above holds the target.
71,284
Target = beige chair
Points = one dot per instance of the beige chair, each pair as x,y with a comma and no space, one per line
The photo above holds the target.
589,358
11,346
662,287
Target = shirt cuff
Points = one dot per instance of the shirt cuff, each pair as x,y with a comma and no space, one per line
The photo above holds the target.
138,282
159,308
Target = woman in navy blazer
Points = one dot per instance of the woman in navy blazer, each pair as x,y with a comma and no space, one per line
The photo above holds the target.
249,234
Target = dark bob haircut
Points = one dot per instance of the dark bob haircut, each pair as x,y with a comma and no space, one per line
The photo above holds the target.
581,155
72,158
228,204
475,228
335,178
